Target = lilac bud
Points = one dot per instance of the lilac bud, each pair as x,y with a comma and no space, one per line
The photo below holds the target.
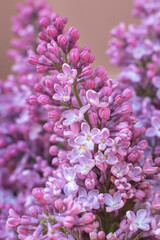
42,36
38,87
59,23
73,33
35,210
91,58
33,100
106,91
86,71
84,56
43,99
90,183
68,221
48,127
127,93
93,117
44,22
40,69
54,115
58,204
126,108
53,150
101,235
90,84
41,49
51,31
93,236
140,194
132,157
100,71
33,60
74,55
62,40
104,113
56,48
13,219
87,218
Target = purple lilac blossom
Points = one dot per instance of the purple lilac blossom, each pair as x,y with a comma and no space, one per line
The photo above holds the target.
76,143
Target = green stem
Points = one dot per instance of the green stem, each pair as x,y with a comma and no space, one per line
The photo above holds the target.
76,95
139,236
74,89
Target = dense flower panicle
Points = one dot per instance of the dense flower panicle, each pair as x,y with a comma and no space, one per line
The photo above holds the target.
97,173
79,168
22,136
136,52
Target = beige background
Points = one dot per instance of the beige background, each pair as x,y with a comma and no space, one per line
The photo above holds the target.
93,18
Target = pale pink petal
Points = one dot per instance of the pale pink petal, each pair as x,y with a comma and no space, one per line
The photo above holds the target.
131,216
85,128
61,77
74,73
92,97
117,197
133,227
150,132
58,88
80,140
70,188
141,214
156,81
144,226
84,109
110,209
108,199
112,160
156,122
66,69
56,97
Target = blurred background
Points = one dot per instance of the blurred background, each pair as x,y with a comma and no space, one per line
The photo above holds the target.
94,20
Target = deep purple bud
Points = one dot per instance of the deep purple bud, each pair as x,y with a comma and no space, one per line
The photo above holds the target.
86,71
59,22
62,40
33,60
33,100
104,113
51,31
100,71
55,46
43,99
74,55
38,87
53,150
44,22
84,56
54,115
41,49
73,33
127,93
48,127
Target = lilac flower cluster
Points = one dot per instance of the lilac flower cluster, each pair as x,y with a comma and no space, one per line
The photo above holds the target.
22,137
137,52
77,167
